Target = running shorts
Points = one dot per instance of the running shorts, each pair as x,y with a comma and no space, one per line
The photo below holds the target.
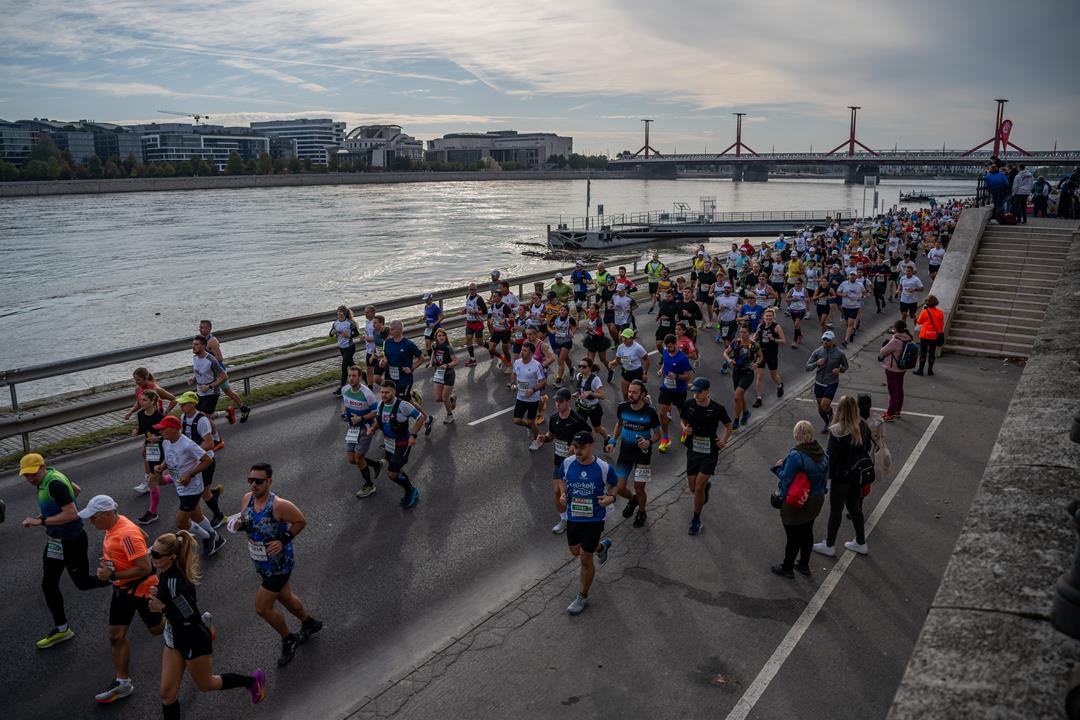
585,534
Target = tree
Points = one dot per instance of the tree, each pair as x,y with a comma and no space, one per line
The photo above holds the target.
8,171
95,168
294,166
66,171
53,168
185,168
130,162
305,164
44,149
250,167
167,170
279,165
265,164
35,170
235,165
113,171
577,162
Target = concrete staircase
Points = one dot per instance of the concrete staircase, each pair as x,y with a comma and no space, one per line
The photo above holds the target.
1006,293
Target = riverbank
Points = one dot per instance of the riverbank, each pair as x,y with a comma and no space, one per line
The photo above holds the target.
38,188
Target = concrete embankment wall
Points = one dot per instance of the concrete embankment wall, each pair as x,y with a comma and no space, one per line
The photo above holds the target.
221,182
988,648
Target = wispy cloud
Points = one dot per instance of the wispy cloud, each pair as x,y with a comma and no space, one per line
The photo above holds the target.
277,75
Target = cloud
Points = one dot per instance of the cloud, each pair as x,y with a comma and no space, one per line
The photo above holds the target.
273,74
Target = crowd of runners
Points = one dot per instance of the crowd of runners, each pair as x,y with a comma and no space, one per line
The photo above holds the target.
570,356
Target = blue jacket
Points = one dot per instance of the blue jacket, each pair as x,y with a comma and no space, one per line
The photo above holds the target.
816,472
998,181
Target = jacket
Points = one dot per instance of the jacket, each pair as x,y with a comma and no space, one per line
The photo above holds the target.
810,459
1023,183
931,322
834,358
842,448
997,182
892,350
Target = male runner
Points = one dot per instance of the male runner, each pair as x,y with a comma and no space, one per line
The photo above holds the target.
393,416
360,408
701,419
214,346
827,362
528,378
185,460
638,427
675,371
564,426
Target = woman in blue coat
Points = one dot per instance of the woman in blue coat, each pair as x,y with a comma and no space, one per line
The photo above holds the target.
809,457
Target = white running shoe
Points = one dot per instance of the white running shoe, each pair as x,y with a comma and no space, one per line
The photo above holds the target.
856,547
448,419
115,691
537,443
142,488
560,527
824,549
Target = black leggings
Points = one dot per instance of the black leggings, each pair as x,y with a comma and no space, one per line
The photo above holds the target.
927,351
77,564
843,495
800,540
347,354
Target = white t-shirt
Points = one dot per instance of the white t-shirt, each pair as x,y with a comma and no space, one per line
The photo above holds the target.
512,300
726,305
528,375
909,289
621,303
183,456
369,332
852,292
630,355
934,255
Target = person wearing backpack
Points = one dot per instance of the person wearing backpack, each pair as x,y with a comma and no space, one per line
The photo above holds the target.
799,509
931,324
898,355
850,467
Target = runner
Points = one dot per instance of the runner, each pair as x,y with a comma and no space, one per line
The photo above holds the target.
827,362
879,275
588,395
546,357
689,312
378,347
528,379
369,345
360,405
444,360
475,315
151,452
563,328
684,343
564,426
634,360
586,485
199,428
66,547
675,370
908,291
563,291
596,341
727,307
125,562
851,293
823,301
750,313
188,639
743,355
186,460
209,376
701,419
580,279
934,256
705,293
399,438
770,336
345,329
401,357
433,320
653,270
508,297
666,316
214,346
144,380
623,305
271,524
638,427
796,303
500,317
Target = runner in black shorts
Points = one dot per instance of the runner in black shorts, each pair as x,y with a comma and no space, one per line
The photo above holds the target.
743,355
563,426
701,418
770,336
589,394
638,427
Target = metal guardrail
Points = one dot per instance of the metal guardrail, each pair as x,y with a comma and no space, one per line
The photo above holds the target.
669,217
886,157
23,423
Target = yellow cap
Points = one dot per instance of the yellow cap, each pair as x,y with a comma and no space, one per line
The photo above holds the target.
31,463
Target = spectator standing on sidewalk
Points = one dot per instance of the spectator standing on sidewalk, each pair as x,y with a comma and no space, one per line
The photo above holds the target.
1021,189
806,457
1040,196
891,357
931,324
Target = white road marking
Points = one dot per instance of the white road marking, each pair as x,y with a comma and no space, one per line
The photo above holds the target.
761,683
913,414
495,414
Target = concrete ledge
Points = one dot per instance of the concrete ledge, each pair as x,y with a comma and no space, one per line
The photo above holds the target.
988,648
957,263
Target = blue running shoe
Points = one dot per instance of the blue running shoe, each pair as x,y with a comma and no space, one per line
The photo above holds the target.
745,417
413,498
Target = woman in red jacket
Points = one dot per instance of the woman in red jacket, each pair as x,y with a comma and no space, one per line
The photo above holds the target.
931,322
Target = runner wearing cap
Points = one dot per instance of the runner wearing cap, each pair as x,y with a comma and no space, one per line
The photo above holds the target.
638,427
563,427
623,306
66,546
271,524
433,320
588,395
701,419
580,279
199,428
344,329
587,486
563,327
827,362
653,270
500,318
185,460
528,379
743,354
563,291
493,287
360,406
634,360
125,562
674,372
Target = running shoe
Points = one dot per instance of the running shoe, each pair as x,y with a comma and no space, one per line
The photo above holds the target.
890,418
245,411
780,390
724,369
147,517
336,392
718,339
757,402
695,527
54,637
143,487
453,402
856,547
578,606
231,414
219,542
560,527
413,498
367,489
640,519
116,691
537,443
258,690
309,627
208,621
745,417
428,424
651,310
471,362
804,569
783,571
602,551
288,649
631,506
448,419
665,445
219,445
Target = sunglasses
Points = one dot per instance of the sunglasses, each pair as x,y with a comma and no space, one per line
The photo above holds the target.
257,480
158,556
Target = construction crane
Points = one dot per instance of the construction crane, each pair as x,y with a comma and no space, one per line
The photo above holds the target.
197,116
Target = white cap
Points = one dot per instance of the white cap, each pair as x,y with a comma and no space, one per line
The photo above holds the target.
98,503
427,296
558,276
621,286
578,262
828,335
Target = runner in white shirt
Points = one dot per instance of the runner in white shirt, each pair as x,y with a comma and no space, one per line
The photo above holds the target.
633,358
909,288
185,460
851,293
934,256
528,378
796,298
726,305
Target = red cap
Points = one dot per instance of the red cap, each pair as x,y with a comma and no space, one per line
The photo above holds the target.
169,421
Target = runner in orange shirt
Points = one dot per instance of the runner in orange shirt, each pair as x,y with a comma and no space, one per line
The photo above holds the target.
125,562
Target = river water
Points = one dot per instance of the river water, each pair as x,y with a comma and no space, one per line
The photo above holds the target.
80,274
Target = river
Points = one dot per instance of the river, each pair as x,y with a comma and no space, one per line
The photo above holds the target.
81,274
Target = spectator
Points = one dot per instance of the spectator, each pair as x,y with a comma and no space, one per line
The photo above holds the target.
1040,196
848,437
997,184
890,355
808,457
1021,188
931,323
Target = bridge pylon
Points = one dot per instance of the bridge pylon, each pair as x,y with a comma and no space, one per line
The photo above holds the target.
646,148
738,144
851,142
1001,134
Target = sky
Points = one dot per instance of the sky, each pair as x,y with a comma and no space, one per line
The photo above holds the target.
924,72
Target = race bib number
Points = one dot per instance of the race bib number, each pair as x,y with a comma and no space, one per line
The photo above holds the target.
627,362
669,381
642,473
257,551
395,372
665,322
621,317
562,335
440,375
562,448
153,453
54,550
389,444
524,385
428,332
352,435
702,445
581,507
704,287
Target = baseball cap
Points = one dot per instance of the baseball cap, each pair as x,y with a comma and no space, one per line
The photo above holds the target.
427,296
495,273
31,463
98,503
579,263
828,335
627,333
169,421
621,286
563,394
583,437
558,276
187,397
699,384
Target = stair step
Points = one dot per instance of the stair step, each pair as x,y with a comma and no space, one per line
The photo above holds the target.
984,352
1003,346
1010,256
1004,302
1021,251
997,336
964,322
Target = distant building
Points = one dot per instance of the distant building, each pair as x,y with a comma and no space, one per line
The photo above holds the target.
377,145
16,142
528,150
312,137
176,142
74,138
114,141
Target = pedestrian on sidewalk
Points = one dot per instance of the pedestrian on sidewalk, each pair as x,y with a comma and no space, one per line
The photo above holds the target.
893,361
931,324
997,184
1040,196
1021,189
849,442
807,457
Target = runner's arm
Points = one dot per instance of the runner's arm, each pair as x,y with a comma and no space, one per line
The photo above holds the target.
287,512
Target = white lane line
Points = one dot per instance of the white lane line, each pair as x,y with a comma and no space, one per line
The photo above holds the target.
761,683
495,414
904,413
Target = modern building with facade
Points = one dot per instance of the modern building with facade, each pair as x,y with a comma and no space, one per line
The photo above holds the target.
312,137
16,142
70,136
528,150
378,145
176,142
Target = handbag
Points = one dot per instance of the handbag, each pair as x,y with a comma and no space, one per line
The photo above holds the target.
798,491
940,339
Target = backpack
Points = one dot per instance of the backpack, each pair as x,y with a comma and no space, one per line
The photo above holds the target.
860,467
1008,219
909,356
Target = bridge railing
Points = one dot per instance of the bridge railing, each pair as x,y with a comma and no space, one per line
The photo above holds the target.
622,221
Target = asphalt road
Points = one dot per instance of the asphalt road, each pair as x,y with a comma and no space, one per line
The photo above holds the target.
395,586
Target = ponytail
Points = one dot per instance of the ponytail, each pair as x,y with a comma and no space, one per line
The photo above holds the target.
187,549
144,374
